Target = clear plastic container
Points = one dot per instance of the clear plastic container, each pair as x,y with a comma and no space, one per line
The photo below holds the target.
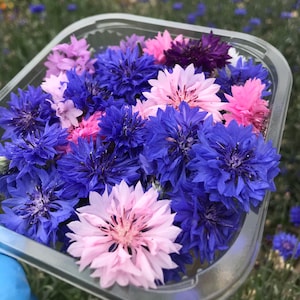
222,278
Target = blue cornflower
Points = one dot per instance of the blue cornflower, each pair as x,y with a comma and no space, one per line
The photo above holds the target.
26,112
201,9
286,15
124,128
169,139
72,7
182,259
125,74
240,11
178,6
287,245
295,215
255,21
235,165
36,149
240,73
90,166
191,18
247,28
207,227
37,207
37,8
85,91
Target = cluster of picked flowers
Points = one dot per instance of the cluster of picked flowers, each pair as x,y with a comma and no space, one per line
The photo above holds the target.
141,158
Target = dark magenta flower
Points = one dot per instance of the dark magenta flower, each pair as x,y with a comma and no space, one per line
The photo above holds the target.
207,54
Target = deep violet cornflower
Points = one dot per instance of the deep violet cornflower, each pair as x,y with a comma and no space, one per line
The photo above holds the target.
125,74
235,165
92,165
26,112
207,53
35,150
207,227
239,73
169,139
287,245
37,207
295,215
124,128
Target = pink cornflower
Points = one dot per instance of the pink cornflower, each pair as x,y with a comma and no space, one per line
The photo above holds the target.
161,42
67,113
171,88
246,105
55,86
127,236
65,109
87,129
71,55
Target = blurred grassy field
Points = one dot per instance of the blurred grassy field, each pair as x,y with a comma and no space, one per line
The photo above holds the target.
23,33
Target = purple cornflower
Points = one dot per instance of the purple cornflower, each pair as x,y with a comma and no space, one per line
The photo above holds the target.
287,245
295,215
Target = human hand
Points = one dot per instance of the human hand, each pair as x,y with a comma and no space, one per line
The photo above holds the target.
14,284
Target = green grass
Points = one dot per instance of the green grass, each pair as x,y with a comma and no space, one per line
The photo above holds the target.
23,35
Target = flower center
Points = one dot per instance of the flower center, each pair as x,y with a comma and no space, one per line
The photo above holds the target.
125,231
287,245
37,207
183,95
